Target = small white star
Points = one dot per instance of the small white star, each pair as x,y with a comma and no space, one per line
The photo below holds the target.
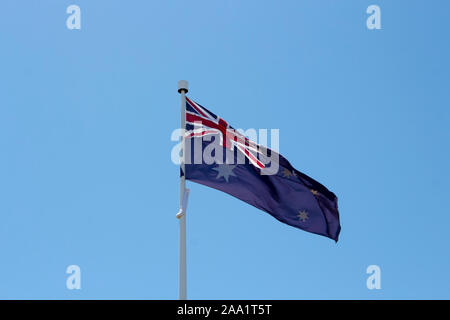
287,173
303,215
225,170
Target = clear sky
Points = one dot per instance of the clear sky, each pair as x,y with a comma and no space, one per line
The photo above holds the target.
86,117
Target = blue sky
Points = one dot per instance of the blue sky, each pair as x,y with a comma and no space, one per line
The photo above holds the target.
85,123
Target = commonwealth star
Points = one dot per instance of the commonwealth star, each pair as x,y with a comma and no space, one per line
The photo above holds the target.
225,171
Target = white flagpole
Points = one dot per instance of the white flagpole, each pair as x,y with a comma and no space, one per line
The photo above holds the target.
182,89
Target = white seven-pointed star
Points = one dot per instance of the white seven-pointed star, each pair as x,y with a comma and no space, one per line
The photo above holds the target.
224,170
303,215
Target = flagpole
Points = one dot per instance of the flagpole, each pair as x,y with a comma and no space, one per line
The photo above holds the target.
182,89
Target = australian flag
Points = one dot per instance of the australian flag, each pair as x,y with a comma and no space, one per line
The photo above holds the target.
220,157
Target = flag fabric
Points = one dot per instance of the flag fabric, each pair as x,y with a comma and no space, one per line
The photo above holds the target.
219,157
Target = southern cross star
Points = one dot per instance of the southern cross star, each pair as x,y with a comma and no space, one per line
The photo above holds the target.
303,215
287,173
225,170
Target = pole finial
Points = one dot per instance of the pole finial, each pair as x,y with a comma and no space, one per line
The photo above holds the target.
183,86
